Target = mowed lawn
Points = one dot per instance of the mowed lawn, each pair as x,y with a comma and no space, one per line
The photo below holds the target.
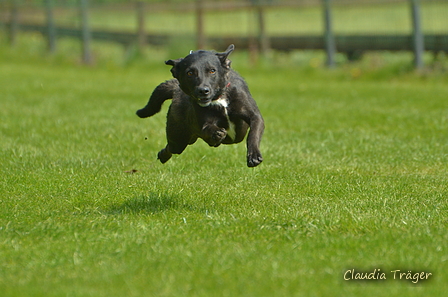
355,177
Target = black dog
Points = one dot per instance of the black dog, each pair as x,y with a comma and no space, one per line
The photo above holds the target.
210,101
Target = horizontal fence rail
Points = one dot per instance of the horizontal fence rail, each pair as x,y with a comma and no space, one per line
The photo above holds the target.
345,43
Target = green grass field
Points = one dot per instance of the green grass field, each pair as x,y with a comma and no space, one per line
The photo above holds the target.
355,177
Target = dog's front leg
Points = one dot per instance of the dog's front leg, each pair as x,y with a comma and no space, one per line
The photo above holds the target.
164,155
212,134
254,157
178,135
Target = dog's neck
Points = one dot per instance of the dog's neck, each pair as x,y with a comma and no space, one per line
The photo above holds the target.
222,91
221,100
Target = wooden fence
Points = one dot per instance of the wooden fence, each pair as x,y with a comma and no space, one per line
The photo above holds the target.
352,45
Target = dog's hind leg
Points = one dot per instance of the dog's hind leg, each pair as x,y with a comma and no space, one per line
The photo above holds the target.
161,93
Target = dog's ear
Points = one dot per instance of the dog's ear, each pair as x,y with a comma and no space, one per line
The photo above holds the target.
223,56
174,64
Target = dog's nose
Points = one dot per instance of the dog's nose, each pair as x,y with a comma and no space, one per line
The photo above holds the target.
204,91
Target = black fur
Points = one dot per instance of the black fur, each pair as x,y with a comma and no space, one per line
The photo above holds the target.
202,80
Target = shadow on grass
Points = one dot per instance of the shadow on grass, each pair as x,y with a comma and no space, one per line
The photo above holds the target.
151,204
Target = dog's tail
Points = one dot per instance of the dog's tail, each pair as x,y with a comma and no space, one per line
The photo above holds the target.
162,92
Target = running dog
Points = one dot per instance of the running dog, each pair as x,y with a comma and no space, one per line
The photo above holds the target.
209,101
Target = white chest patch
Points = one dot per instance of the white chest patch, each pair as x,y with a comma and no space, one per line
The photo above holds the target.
231,132
221,102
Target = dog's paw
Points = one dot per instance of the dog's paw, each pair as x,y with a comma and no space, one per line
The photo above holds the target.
219,135
146,112
254,159
164,155
213,135
142,113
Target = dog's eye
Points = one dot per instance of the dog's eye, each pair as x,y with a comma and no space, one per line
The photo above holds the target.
212,71
190,73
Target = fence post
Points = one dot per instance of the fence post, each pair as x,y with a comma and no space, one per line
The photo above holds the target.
85,33
141,35
263,37
50,26
417,35
330,45
14,23
252,42
200,24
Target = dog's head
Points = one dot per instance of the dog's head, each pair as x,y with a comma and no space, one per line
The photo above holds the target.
202,74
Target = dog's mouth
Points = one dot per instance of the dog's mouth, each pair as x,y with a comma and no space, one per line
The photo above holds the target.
204,102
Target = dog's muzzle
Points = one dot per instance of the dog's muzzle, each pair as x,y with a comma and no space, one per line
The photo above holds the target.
204,102
204,96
